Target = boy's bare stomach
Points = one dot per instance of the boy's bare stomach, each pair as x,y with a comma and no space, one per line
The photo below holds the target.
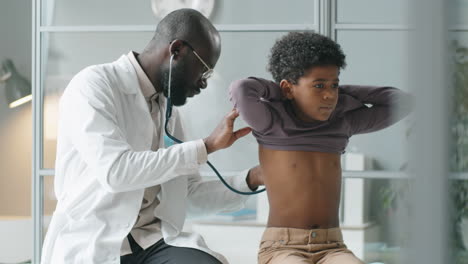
303,188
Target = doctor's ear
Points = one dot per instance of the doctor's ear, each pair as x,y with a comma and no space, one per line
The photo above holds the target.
174,47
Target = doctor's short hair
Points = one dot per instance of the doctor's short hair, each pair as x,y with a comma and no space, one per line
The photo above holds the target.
296,52
185,24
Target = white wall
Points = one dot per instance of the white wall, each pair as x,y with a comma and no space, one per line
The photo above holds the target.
15,124
15,138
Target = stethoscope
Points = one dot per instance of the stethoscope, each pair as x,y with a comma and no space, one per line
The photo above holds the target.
168,116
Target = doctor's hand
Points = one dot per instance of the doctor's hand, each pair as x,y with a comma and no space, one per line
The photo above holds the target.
224,135
255,178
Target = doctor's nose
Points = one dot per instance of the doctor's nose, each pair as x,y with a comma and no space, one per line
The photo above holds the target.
203,83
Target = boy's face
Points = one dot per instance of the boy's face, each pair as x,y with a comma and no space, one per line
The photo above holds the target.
315,95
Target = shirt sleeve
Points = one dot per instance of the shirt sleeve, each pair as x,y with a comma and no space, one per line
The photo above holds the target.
387,105
251,97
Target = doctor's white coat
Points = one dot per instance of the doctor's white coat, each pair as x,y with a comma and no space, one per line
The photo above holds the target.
104,164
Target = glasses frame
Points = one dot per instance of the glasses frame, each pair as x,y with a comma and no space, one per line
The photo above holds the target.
209,72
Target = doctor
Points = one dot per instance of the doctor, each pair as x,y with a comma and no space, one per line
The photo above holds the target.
123,196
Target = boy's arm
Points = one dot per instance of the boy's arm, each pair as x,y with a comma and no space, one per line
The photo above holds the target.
251,97
388,106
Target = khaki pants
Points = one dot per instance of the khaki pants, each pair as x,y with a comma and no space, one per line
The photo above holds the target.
301,246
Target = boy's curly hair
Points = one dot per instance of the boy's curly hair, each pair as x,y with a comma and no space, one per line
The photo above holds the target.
295,53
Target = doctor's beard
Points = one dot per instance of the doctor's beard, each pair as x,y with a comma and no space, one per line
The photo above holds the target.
179,84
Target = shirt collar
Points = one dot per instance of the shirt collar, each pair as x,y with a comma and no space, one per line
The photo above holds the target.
146,86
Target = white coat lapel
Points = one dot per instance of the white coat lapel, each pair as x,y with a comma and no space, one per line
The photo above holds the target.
138,122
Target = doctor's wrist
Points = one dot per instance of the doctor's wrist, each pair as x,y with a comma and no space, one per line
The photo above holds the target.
209,147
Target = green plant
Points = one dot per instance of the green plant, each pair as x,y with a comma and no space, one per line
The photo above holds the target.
392,197
459,158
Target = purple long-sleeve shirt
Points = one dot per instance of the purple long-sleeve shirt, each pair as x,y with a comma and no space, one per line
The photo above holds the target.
261,104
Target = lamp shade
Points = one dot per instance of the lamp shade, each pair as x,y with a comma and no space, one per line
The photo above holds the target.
17,88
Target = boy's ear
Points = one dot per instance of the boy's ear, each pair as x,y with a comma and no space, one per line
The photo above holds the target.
287,89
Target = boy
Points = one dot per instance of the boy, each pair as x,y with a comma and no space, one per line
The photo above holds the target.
303,122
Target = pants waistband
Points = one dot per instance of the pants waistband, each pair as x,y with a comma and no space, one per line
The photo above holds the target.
305,236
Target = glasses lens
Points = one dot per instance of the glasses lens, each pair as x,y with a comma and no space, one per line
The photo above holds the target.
207,74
